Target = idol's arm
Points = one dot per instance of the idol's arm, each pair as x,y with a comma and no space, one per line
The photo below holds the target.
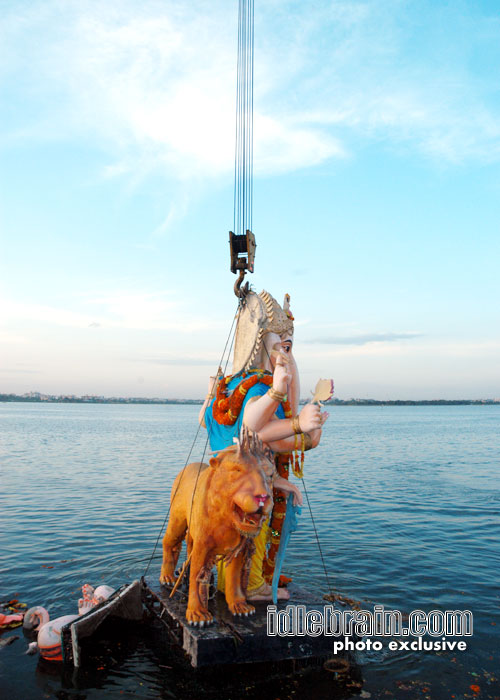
294,386
310,418
259,411
289,444
212,387
284,485
201,415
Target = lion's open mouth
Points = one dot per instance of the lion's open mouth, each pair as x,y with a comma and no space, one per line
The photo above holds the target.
247,521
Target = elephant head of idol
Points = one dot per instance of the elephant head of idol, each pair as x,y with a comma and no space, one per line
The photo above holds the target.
264,329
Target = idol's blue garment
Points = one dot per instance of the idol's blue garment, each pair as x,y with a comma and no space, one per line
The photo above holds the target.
221,436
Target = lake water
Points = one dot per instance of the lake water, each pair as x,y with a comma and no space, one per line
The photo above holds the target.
406,501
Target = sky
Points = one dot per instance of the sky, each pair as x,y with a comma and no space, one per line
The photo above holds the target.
376,193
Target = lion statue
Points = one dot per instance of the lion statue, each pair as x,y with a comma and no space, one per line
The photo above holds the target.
222,507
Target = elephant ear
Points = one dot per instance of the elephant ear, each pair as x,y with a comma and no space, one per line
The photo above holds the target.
252,321
323,391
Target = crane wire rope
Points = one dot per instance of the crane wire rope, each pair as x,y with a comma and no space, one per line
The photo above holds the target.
243,152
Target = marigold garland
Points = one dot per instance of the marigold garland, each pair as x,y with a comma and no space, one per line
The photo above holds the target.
277,518
226,409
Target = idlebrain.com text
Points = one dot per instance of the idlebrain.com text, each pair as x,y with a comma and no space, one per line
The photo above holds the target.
298,621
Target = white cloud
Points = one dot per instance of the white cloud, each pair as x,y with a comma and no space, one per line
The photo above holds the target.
366,338
7,337
145,311
121,310
176,212
418,351
20,311
155,82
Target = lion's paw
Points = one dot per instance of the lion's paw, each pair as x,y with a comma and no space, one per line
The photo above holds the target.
167,579
241,607
200,616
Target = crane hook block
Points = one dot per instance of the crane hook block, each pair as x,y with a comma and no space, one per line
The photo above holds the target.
242,249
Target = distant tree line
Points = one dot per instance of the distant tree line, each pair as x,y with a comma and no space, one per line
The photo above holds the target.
44,398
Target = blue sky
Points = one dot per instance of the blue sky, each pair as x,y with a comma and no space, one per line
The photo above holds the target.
376,206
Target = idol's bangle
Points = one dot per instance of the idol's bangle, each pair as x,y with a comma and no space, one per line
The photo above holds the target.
296,425
276,395
209,397
307,442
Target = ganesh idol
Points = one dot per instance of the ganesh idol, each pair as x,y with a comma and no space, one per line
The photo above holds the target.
262,394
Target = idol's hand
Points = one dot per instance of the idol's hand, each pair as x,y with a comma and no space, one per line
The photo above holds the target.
316,434
315,437
287,486
281,376
297,496
212,383
310,418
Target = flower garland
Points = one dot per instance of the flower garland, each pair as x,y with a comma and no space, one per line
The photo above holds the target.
226,408
277,517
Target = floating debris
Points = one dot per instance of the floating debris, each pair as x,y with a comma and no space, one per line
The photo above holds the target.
5,641
344,600
11,613
10,621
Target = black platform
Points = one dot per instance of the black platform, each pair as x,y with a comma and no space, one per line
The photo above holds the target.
233,639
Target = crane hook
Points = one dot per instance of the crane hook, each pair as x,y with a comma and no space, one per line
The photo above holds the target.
240,291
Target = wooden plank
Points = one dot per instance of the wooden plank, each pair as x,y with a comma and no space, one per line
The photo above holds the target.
233,639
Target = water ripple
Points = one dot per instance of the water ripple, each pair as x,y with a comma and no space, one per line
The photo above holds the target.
405,501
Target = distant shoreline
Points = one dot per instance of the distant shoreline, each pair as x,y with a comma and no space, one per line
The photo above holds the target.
34,397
